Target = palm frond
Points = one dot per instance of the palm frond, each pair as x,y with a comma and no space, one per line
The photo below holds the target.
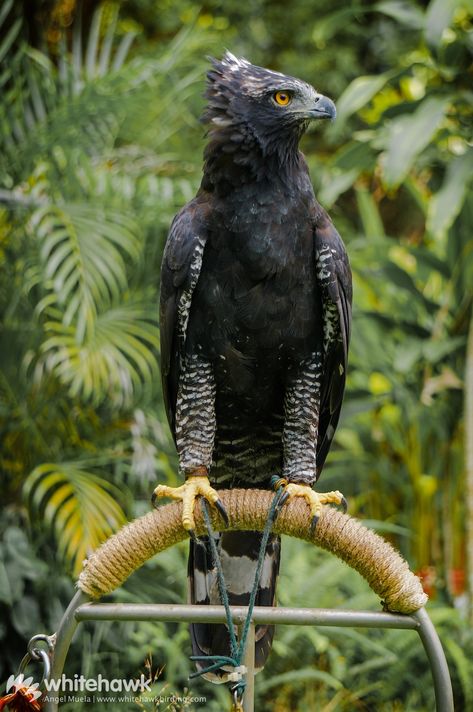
80,507
84,251
115,360
80,100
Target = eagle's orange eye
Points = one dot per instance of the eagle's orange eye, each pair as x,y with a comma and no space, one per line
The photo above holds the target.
282,98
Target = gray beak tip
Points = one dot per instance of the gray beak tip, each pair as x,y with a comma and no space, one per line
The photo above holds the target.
324,108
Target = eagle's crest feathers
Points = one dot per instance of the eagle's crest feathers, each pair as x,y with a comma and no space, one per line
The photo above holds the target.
244,119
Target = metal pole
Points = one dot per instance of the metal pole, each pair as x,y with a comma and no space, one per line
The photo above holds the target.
64,637
249,662
262,615
81,609
438,662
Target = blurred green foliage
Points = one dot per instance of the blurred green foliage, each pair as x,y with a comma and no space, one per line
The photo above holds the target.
100,145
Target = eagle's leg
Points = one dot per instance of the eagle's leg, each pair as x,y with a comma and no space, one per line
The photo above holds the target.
195,433
301,406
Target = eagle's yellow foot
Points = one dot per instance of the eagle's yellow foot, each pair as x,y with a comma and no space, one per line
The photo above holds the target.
196,485
315,500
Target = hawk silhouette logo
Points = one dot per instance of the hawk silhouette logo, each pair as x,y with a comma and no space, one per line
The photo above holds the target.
21,694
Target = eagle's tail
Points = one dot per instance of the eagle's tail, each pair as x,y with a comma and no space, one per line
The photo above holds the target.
239,554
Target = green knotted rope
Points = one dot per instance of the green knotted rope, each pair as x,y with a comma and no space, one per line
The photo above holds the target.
237,648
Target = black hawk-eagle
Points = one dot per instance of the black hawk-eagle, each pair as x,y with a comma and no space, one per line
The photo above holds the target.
255,319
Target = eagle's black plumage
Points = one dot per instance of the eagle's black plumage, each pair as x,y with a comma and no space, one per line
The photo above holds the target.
255,312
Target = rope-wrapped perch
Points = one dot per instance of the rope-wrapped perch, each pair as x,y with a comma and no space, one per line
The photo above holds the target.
375,559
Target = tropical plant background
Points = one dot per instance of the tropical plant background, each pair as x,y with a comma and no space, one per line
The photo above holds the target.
100,144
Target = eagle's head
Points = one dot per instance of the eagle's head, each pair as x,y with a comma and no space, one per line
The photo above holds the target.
248,104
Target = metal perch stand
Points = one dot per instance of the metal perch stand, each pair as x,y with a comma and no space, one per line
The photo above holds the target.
365,551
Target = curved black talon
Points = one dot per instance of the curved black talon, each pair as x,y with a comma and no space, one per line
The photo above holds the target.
222,511
313,524
344,505
154,497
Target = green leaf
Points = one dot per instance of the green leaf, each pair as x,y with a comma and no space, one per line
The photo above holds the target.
390,322
5,588
407,355
107,43
398,276
342,172
335,183
19,551
408,136
463,667
371,219
438,18
402,11
387,527
358,94
93,42
85,251
81,507
447,202
355,155
9,38
5,9
25,616
77,55
435,351
114,360
426,257
296,677
329,25
122,51
412,351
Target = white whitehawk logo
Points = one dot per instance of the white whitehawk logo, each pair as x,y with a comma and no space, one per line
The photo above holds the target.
20,682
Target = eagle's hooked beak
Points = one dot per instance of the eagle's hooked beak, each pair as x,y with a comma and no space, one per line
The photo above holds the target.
323,108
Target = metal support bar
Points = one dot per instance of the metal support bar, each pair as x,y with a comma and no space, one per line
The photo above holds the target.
65,633
249,662
82,609
438,663
262,615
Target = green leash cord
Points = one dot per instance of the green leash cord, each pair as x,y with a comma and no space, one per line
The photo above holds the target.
237,648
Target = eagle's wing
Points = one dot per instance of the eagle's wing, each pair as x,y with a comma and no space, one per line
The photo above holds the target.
180,269
334,279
